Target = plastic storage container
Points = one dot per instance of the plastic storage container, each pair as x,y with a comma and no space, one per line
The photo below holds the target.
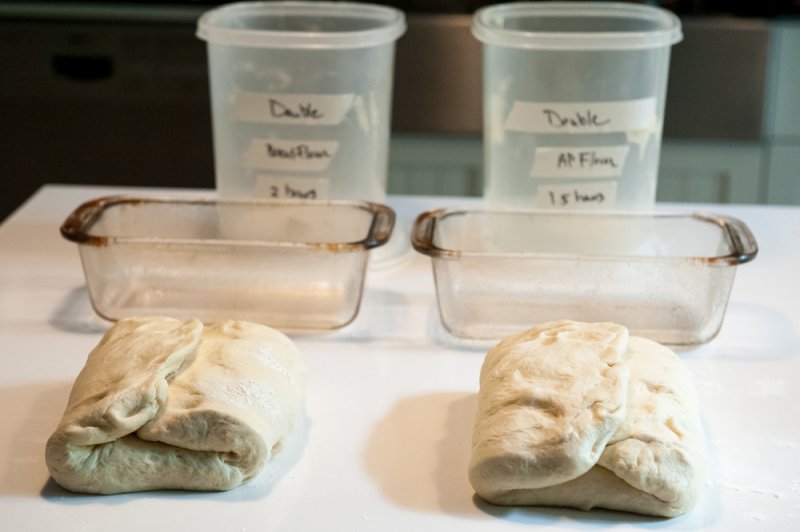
301,97
574,102
664,276
293,265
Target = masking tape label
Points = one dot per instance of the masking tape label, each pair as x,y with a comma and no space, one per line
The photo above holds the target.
291,155
577,196
598,161
292,109
287,187
581,117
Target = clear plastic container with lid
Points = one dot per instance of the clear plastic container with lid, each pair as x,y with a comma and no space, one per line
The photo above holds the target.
574,102
300,97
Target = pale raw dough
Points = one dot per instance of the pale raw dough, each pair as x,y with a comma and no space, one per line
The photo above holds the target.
169,404
550,399
652,459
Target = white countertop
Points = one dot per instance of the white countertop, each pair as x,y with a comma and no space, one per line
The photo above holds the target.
390,403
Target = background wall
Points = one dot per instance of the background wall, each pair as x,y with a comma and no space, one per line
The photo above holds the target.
118,94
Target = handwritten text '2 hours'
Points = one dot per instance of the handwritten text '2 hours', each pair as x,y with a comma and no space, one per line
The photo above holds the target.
289,191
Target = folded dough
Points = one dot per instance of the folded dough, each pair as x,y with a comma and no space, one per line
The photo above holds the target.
550,399
545,451
169,404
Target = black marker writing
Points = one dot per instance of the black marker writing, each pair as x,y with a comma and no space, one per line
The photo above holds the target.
300,151
584,159
291,192
588,119
575,196
280,110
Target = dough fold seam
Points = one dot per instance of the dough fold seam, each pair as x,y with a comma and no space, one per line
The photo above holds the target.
169,404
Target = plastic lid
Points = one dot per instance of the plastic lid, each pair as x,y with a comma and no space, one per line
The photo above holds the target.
576,26
301,25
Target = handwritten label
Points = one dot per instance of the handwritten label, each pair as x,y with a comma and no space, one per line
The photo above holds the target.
581,196
294,109
581,117
599,161
282,187
292,155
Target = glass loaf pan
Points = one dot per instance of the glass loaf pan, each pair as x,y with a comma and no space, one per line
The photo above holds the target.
665,276
293,265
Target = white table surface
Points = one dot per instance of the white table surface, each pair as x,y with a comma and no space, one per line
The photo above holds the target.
390,403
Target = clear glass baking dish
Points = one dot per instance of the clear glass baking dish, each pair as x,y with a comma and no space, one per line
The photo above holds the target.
664,276
293,265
